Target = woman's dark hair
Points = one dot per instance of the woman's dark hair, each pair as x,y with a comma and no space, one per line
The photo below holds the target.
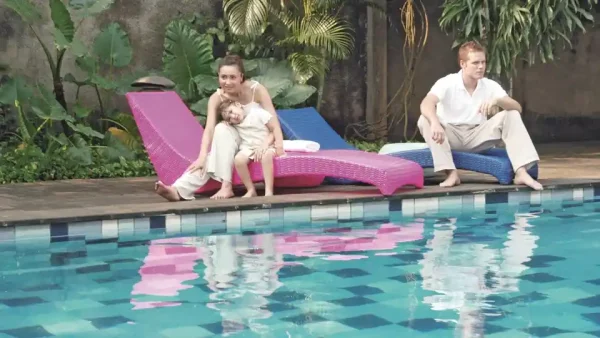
233,60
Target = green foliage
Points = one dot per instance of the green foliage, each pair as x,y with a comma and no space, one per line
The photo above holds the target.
31,164
187,54
516,30
373,147
188,61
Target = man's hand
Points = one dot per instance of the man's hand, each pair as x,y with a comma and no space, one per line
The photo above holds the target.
489,107
438,134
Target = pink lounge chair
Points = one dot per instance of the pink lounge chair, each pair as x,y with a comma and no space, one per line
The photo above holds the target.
172,136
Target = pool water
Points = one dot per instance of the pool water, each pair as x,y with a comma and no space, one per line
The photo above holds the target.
504,271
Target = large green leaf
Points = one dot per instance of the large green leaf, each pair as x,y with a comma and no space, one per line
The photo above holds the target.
206,84
187,54
62,19
85,130
15,89
114,149
25,8
112,46
45,106
247,17
294,96
80,152
200,107
274,85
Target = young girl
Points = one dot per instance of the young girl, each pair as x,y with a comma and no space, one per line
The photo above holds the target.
255,127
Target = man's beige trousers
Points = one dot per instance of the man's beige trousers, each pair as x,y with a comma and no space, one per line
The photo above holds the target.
506,126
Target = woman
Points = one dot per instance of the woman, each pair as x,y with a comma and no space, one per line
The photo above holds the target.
221,138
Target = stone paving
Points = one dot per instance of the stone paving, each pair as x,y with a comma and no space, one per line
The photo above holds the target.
562,164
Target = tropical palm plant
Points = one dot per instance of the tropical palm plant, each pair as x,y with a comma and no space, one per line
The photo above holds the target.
312,32
515,30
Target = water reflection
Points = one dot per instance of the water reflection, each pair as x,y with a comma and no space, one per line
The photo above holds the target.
241,271
464,273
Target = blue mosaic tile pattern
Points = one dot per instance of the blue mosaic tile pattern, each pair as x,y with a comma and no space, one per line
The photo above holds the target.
513,265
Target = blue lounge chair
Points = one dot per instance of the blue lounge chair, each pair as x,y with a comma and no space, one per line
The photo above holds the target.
308,124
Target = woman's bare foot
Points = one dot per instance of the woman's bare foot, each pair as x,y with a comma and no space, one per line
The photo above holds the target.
169,193
225,192
523,177
250,193
452,179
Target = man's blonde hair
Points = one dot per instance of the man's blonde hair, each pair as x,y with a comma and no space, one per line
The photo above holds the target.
466,48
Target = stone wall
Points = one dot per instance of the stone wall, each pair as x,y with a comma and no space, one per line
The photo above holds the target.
145,22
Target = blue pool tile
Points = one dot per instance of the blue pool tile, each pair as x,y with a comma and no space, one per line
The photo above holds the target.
59,232
544,331
292,271
408,278
424,324
287,296
593,317
28,332
491,328
25,301
528,298
280,307
593,301
594,281
395,205
44,287
352,301
158,222
219,327
364,290
496,197
93,268
409,257
305,318
107,322
349,273
365,322
541,277
596,191
541,261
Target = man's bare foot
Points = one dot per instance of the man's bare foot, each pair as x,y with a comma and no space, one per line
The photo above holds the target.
452,179
169,193
250,193
523,177
223,193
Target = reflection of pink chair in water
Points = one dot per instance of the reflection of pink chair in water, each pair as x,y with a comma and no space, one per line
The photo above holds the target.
165,269
386,237
170,262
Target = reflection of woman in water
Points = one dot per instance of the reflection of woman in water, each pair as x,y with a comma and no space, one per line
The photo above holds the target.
241,271
457,273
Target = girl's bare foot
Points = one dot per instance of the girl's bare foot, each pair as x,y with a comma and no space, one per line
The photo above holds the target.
523,177
169,193
268,193
452,179
250,193
225,192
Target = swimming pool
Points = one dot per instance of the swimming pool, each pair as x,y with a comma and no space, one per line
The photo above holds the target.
521,268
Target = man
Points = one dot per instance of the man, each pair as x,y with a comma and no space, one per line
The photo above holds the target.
457,114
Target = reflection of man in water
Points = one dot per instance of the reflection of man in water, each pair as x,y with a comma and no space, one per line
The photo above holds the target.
242,271
457,273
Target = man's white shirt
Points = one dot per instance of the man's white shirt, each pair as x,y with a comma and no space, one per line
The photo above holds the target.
456,105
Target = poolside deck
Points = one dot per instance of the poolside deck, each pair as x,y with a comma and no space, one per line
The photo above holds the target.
564,164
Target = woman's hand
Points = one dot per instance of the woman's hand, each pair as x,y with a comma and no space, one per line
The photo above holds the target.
198,164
